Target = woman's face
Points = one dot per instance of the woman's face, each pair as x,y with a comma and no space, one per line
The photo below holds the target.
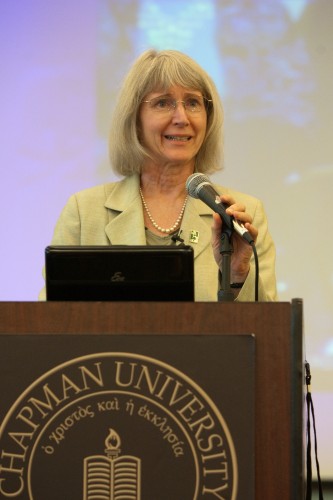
173,135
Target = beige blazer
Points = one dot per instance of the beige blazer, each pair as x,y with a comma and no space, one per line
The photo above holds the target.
111,214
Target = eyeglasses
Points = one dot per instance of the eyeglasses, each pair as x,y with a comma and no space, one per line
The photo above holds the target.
165,104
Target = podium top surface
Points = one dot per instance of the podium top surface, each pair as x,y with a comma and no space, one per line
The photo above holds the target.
146,317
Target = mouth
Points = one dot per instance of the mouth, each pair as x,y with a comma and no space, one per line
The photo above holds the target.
182,138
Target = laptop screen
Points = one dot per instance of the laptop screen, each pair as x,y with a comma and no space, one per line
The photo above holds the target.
119,273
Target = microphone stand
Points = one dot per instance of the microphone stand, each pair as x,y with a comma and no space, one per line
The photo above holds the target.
225,294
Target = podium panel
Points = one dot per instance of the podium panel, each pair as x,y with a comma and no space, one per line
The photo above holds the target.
171,410
208,396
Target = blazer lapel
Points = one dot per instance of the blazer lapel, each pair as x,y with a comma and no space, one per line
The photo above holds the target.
126,226
196,226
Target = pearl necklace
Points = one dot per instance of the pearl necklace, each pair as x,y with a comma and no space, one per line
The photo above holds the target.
159,228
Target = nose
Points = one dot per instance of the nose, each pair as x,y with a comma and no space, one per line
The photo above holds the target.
179,114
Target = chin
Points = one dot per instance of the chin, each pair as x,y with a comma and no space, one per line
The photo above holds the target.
181,158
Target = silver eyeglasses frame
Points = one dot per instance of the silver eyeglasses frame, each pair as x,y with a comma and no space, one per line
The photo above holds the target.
174,102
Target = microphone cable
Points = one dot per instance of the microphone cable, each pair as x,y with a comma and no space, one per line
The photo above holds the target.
310,412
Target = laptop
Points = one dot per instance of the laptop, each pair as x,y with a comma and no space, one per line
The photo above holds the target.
119,273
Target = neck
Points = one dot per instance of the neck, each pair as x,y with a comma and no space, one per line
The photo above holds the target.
164,182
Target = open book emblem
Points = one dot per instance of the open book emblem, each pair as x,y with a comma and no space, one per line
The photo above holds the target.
110,476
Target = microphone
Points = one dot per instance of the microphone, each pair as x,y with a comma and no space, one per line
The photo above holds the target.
199,186
176,237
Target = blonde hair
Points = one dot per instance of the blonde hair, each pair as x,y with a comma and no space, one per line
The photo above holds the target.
159,70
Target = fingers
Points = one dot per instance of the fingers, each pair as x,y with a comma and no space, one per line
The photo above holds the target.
238,210
252,230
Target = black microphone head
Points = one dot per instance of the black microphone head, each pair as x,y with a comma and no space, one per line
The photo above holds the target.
195,182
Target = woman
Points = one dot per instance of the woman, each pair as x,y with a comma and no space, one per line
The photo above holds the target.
167,125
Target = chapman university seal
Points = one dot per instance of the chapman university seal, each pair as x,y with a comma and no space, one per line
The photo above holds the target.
113,426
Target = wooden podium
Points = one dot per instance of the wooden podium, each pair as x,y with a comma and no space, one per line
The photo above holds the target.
277,328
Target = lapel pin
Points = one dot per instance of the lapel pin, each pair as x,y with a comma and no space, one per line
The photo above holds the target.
194,236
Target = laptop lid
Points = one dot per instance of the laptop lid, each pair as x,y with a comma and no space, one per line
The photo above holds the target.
119,273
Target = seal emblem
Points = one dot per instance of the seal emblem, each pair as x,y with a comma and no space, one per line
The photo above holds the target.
117,425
